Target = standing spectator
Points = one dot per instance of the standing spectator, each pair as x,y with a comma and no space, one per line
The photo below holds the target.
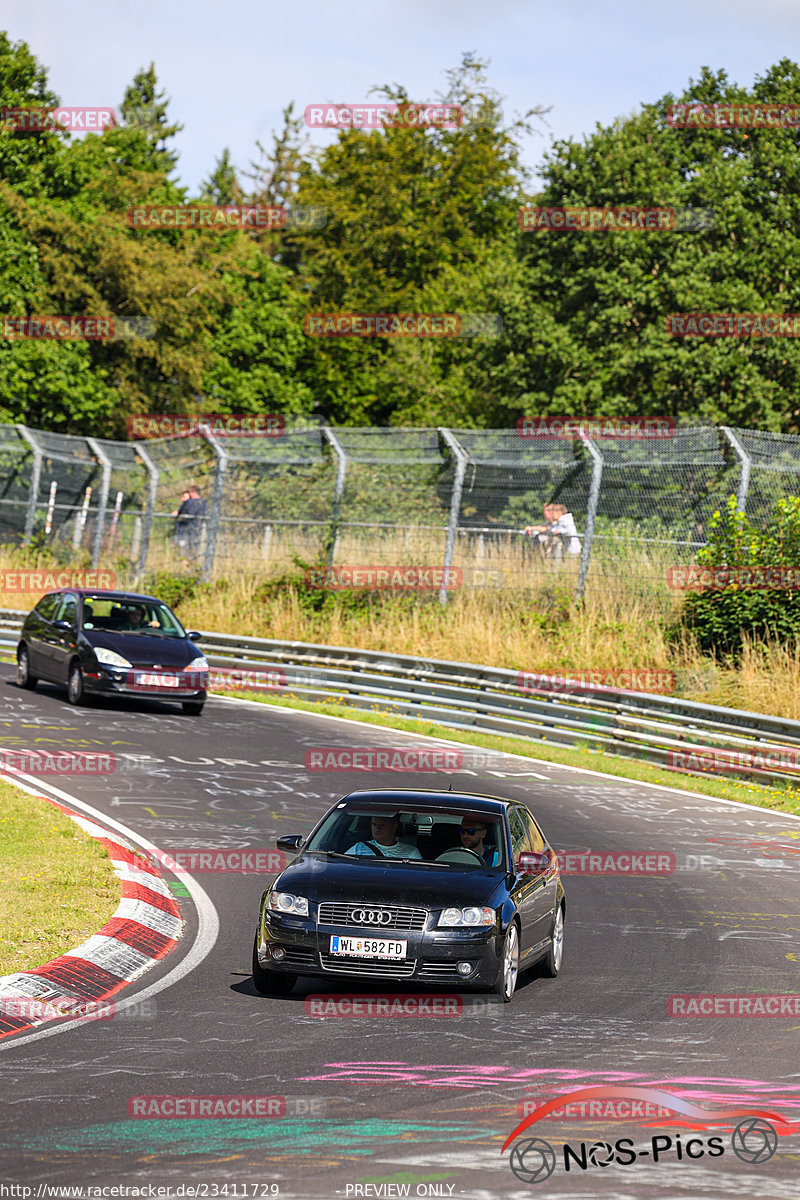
179,527
189,521
557,534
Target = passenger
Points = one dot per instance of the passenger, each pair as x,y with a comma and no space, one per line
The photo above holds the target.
473,831
384,837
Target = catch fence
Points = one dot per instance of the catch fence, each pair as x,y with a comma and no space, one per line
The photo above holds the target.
458,498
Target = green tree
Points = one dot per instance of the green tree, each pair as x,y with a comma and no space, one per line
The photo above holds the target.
599,301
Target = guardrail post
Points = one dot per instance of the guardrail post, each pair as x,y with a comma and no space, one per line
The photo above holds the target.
212,528
455,509
341,470
36,478
591,513
149,509
102,503
745,461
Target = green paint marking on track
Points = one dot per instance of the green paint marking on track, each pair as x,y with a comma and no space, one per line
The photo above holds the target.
221,1136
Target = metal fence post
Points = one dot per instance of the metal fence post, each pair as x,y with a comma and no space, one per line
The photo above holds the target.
455,509
149,510
745,461
212,528
341,470
102,503
36,478
591,513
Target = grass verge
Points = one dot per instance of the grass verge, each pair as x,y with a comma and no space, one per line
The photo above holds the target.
592,759
57,887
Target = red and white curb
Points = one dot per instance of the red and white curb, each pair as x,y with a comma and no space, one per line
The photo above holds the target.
145,927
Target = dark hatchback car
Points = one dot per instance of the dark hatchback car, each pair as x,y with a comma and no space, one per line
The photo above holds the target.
427,887
111,644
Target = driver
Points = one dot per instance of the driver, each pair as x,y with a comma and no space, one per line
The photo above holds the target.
384,837
472,833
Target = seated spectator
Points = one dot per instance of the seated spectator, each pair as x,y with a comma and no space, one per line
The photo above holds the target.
384,841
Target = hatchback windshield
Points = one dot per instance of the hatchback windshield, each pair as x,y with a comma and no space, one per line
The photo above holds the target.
471,840
130,616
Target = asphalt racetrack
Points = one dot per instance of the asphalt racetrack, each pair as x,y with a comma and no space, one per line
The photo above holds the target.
419,1106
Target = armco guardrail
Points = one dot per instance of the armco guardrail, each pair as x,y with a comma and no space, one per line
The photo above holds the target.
489,700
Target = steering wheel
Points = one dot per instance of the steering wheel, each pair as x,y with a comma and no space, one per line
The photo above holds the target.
459,850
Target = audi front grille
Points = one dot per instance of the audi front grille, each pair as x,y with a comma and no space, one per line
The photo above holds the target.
400,917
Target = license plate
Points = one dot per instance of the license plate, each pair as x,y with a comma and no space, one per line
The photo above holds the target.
367,947
161,681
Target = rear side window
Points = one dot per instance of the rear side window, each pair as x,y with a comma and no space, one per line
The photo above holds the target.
519,834
47,606
534,833
68,610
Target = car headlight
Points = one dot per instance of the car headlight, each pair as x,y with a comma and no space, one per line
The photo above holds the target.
110,658
197,664
285,902
469,917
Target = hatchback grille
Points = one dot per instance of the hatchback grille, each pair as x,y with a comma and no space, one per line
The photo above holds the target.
372,968
400,917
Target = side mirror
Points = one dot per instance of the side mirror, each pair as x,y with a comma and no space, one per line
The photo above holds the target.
62,626
193,635
291,843
533,863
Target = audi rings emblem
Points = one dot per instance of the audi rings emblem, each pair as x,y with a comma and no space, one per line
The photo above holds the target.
370,916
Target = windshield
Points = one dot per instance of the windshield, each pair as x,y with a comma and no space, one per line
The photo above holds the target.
130,616
457,839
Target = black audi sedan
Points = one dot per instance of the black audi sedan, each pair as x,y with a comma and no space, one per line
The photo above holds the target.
426,887
111,644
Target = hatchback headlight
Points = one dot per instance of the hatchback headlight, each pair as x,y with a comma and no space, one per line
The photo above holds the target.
110,658
466,917
285,902
197,664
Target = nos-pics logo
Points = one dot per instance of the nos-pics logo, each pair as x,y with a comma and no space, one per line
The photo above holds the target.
754,1139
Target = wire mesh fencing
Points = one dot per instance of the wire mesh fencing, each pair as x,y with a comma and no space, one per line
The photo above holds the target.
458,499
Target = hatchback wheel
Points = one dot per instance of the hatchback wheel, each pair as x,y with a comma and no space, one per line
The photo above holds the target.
192,708
24,677
270,983
551,963
509,966
75,684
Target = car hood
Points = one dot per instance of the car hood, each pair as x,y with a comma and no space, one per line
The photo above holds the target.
142,649
419,885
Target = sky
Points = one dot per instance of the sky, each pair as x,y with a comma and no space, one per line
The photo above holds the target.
230,69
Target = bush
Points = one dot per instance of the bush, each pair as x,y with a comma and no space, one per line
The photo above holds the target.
721,619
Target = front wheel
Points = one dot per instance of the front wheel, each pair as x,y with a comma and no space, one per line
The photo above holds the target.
551,963
75,684
509,967
192,708
270,983
24,677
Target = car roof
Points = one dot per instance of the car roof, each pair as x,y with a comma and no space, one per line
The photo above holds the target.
427,798
104,594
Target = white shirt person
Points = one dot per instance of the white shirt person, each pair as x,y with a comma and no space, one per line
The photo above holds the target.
384,837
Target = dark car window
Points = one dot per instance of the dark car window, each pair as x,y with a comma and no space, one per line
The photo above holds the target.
67,610
534,833
120,615
47,606
520,842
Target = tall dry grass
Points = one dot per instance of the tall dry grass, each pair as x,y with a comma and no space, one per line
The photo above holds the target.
513,612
